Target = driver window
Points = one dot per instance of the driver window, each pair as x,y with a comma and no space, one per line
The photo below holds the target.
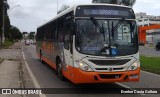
123,35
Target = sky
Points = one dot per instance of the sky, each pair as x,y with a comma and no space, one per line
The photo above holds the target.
30,14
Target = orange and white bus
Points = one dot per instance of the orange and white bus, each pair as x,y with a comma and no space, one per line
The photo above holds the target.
95,43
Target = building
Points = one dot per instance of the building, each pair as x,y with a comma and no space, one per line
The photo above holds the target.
147,20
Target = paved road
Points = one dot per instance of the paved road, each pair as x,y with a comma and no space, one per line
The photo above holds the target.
149,51
47,79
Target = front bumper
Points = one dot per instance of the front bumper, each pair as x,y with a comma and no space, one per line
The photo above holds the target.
80,76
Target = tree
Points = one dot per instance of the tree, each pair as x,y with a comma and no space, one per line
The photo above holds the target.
10,32
7,25
64,7
128,2
31,35
120,2
15,34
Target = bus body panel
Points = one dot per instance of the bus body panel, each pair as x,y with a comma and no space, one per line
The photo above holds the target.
51,51
79,76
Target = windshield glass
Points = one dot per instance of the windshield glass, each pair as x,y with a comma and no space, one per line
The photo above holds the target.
106,37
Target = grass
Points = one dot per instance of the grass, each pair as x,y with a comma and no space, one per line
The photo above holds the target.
151,64
7,44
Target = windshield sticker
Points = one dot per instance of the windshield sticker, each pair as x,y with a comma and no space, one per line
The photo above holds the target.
114,51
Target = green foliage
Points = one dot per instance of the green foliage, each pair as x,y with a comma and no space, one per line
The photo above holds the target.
31,35
15,34
64,7
105,1
1,10
11,33
120,2
151,64
7,44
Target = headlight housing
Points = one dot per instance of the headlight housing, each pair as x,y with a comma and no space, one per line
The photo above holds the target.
134,66
83,66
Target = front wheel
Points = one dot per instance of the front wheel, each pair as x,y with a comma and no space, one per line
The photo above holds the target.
59,71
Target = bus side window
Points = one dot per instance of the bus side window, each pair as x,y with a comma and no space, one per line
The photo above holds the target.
60,29
67,36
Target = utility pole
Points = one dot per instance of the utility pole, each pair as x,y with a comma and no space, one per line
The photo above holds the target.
57,6
3,22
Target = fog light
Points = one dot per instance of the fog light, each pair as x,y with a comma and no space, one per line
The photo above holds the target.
133,76
132,67
86,68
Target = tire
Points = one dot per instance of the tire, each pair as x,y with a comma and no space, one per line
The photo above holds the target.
41,59
59,70
157,48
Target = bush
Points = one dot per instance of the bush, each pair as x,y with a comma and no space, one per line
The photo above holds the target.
7,44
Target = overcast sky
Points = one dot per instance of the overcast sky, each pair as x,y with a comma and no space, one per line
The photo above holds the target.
33,13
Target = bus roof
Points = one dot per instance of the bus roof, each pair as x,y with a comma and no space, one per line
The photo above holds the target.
75,6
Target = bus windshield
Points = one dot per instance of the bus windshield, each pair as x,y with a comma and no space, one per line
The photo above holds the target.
106,37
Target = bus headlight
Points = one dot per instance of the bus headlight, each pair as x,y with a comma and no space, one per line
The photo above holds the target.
134,66
83,66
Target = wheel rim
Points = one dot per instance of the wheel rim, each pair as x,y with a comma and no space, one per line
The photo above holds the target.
60,70
41,57
59,67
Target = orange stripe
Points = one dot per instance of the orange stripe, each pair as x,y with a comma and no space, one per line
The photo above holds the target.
78,76
53,65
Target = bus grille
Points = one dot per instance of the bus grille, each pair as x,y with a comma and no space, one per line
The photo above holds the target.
110,62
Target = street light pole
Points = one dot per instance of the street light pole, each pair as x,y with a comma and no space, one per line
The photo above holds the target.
57,6
3,22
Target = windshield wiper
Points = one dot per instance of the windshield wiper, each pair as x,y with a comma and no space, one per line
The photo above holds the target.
117,25
101,29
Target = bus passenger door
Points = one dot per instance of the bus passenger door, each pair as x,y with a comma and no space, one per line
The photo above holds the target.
67,54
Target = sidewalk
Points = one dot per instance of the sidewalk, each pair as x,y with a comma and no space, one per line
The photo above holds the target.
9,68
13,73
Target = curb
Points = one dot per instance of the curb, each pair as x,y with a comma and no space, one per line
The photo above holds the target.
1,60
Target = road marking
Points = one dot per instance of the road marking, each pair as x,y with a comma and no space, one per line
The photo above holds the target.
35,82
151,73
125,86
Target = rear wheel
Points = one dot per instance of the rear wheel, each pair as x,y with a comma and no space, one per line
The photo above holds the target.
41,59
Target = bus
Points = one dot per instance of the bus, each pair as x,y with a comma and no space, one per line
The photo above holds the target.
95,43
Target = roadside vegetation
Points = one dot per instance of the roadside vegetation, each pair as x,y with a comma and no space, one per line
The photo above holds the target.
151,64
7,44
11,32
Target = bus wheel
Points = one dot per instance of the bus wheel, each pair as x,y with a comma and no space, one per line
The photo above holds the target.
59,71
41,59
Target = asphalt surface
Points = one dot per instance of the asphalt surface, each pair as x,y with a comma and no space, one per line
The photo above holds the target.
47,78
149,51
